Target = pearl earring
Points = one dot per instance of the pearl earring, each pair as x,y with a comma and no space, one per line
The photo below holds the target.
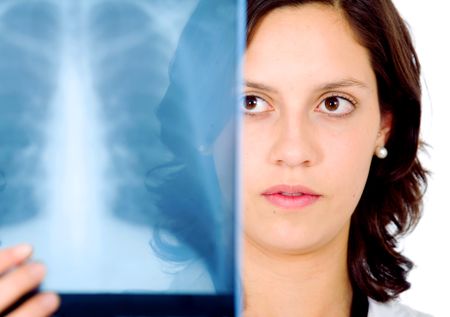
381,152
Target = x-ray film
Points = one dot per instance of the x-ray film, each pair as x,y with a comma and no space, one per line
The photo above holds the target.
117,142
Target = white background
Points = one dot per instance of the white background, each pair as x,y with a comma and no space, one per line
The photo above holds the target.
428,245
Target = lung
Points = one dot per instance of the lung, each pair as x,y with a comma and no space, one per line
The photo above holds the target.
117,142
28,70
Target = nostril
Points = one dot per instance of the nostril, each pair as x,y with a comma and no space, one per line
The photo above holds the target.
294,142
284,154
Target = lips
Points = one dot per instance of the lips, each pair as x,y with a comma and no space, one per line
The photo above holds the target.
290,196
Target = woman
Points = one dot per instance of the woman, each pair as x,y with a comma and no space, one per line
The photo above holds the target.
331,175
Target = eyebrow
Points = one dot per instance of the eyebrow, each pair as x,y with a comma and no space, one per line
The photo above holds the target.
343,84
349,82
259,86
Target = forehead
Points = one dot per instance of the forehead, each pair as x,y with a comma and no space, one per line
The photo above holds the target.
306,43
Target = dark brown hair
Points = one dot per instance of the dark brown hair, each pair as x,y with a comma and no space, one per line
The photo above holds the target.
390,205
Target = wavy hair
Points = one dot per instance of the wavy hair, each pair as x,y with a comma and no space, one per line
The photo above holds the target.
391,202
195,220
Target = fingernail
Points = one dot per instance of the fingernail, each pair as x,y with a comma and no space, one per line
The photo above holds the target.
50,300
37,269
22,250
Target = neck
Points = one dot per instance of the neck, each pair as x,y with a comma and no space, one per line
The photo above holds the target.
313,284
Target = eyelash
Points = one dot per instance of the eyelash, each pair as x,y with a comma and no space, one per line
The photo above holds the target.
254,114
343,96
351,100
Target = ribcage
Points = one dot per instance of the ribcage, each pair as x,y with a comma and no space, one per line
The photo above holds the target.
97,69
110,112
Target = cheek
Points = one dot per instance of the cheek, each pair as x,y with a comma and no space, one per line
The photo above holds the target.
254,149
348,161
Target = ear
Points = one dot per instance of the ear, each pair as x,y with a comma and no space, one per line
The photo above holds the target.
385,128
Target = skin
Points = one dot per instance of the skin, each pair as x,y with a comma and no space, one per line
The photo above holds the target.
298,59
18,277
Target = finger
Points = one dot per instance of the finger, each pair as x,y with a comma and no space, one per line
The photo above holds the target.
19,282
11,257
40,305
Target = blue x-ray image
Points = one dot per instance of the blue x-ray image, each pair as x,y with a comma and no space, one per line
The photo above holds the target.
117,141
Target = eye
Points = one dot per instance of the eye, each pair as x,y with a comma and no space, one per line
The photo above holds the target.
252,105
336,106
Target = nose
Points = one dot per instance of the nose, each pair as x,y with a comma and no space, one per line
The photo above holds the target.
295,144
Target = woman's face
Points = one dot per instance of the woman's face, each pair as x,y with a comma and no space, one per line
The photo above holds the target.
311,126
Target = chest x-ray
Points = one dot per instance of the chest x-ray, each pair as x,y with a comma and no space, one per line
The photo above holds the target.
117,141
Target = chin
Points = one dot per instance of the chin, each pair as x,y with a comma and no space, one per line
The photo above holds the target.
296,239
286,241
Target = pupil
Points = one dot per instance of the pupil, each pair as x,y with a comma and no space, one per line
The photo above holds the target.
332,103
250,102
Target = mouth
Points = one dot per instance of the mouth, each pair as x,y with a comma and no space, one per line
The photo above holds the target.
290,196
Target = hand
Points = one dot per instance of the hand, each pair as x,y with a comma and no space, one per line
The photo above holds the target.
17,278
